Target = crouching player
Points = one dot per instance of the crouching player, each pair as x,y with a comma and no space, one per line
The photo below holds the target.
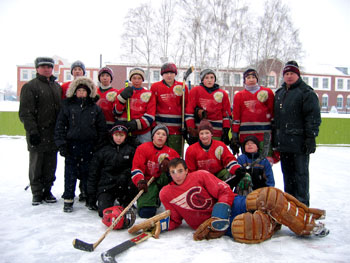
209,206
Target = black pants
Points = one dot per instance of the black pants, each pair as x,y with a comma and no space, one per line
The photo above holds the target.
42,169
295,169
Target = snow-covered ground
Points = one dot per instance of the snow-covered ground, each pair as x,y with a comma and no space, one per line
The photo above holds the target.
45,233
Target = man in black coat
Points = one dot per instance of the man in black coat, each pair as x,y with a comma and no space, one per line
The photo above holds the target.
296,124
40,102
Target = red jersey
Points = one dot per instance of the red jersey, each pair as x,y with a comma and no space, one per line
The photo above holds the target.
252,113
215,102
147,160
107,98
214,160
169,105
193,200
65,87
142,109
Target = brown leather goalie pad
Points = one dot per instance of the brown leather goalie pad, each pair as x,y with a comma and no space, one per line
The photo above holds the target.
285,209
252,228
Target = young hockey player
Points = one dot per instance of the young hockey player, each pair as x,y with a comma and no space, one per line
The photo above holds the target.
210,207
110,172
209,101
80,129
142,107
168,94
151,160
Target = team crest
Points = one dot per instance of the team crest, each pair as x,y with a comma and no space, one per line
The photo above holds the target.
178,90
145,97
262,96
111,96
218,96
218,152
162,156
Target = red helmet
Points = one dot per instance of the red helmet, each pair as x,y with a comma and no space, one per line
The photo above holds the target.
112,213
168,67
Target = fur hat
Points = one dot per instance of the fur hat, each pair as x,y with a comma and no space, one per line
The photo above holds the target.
41,61
78,83
138,71
119,128
250,138
291,66
79,64
160,126
205,125
252,72
205,72
168,67
106,70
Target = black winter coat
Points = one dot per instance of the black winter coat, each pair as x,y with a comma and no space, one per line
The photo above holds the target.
296,116
110,168
40,103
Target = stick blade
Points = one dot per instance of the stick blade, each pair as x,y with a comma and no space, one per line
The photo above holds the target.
79,244
188,72
107,258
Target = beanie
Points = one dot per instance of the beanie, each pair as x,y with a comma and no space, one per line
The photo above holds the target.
205,125
168,67
118,128
159,127
105,70
291,66
250,138
252,72
138,71
204,72
79,64
41,61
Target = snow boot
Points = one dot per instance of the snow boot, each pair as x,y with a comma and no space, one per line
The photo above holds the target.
68,205
49,197
37,200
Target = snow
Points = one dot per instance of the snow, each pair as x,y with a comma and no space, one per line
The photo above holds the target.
45,233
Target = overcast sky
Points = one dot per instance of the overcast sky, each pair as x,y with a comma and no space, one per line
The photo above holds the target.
84,29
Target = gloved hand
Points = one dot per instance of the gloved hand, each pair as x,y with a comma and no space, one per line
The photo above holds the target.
239,174
34,139
200,114
142,185
245,182
91,203
207,231
63,150
127,92
131,125
310,145
224,136
192,132
164,165
234,144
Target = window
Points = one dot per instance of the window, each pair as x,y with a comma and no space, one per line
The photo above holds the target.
325,83
33,74
67,75
340,83
348,86
348,101
24,75
237,79
315,83
306,80
226,78
270,81
156,75
339,101
324,101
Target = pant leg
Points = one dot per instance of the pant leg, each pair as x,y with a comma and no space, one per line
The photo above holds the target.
238,207
35,172
70,177
105,200
49,169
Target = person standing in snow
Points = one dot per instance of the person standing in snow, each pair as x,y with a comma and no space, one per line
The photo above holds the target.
209,101
296,125
77,69
142,107
40,103
80,130
168,93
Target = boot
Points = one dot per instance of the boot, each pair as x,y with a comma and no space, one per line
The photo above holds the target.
49,197
68,205
37,200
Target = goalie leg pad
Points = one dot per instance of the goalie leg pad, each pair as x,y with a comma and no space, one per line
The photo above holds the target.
252,228
285,209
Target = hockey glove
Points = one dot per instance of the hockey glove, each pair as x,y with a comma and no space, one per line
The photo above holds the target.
34,139
234,144
310,145
245,182
234,180
131,125
224,137
193,132
200,114
127,92
142,185
164,165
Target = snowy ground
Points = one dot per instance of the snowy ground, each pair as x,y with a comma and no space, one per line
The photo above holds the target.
45,234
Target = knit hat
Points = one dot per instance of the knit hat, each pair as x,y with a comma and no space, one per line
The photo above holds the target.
250,138
291,66
168,67
118,128
159,127
138,71
205,125
204,72
41,61
79,64
251,72
105,70
82,82
83,86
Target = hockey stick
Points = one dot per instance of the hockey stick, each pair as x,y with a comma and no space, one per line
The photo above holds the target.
187,73
79,244
26,188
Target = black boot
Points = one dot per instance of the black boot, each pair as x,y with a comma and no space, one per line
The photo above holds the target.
49,197
37,200
68,205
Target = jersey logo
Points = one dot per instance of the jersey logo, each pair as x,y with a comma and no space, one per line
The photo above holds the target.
162,156
145,97
111,96
178,90
262,96
193,200
218,152
250,104
218,96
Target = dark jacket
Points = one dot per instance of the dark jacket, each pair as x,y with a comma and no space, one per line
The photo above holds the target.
296,116
110,168
80,119
40,102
